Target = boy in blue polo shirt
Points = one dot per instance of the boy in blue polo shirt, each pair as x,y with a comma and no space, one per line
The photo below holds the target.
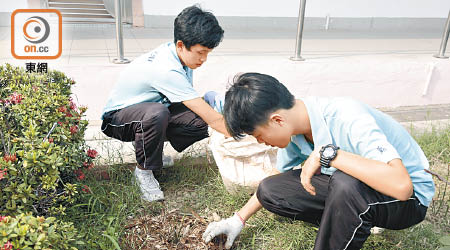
360,168
154,99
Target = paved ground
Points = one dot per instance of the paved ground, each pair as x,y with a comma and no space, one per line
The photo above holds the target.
393,71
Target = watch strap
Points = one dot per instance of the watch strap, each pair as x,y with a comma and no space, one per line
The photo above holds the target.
325,162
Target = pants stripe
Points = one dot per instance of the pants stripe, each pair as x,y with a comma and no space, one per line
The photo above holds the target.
142,133
360,224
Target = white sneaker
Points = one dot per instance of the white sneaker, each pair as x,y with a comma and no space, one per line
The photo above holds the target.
167,161
150,190
376,230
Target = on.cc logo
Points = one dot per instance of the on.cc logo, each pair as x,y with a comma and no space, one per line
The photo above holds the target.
36,34
36,29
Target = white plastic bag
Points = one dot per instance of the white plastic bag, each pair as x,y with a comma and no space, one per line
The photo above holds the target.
244,162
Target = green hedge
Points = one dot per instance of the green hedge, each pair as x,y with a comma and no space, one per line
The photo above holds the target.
26,232
43,155
42,145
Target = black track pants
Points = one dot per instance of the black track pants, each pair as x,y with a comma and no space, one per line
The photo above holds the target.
150,124
344,208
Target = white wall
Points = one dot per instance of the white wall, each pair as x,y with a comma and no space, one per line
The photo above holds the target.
11,5
314,8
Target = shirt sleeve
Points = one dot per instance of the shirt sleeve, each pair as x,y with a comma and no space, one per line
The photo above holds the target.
175,86
369,140
289,157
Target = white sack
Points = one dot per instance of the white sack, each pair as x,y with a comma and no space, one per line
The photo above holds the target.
244,162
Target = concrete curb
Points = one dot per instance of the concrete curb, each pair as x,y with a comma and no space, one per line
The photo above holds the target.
112,151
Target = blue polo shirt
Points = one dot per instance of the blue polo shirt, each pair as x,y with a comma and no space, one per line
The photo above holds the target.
360,129
157,76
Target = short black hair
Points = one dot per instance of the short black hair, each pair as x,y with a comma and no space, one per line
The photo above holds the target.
251,99
195,26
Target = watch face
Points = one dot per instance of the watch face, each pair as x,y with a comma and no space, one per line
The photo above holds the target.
328,152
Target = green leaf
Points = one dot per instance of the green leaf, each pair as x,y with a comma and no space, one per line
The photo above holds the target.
40,237
114,242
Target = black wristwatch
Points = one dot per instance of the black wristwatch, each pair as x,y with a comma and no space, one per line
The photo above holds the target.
327,154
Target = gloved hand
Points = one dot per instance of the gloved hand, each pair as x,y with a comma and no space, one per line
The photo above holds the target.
231,227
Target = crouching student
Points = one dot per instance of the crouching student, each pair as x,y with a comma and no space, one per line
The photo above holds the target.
360,167
154,99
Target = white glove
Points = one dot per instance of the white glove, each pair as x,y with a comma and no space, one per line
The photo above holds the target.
231,227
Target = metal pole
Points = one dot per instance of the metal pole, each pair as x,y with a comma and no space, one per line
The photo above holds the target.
444,39
298,43
119,35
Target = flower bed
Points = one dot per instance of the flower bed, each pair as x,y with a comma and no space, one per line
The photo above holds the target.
43,156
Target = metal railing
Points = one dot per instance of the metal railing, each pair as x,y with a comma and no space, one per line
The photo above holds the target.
119,35
444,40
301,20
298,42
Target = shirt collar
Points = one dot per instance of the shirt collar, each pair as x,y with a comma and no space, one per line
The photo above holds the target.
302,144
320,131
173,49
319,128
